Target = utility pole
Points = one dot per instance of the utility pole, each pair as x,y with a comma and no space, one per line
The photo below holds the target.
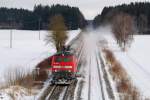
10,38
10,24
39,28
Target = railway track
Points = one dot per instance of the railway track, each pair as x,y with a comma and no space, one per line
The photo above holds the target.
90,77
69,94
97,70
51,92
89,86
100,77
58,92
105,78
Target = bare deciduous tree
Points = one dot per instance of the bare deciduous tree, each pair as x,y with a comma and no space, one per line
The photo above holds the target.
58,36
123,29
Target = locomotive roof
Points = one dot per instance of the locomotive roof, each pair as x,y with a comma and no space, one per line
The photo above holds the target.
64,53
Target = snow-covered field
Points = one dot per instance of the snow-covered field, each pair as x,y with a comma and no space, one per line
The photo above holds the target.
135,61
27,50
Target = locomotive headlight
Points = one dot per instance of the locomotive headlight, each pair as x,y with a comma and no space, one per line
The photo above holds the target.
55,70
56,66
68,67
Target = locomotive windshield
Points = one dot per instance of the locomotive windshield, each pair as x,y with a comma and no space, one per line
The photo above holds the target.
58,59
63,59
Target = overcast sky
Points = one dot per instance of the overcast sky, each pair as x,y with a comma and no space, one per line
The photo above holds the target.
90,8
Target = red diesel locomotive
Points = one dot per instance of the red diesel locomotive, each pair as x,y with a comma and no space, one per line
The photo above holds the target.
63,67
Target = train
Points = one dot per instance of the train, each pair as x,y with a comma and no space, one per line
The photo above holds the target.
63,67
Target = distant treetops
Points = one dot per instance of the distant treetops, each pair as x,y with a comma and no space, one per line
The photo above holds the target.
139,11
40,17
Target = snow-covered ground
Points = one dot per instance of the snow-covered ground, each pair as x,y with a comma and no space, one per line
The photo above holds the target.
27,50
135,60
93,87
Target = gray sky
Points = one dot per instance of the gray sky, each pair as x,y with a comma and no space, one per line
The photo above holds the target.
90,8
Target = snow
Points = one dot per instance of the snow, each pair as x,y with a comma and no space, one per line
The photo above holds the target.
92,88
27,50
135,60
46,85
140,52
16,92
96,89
112,83
72,35
61,95
5,96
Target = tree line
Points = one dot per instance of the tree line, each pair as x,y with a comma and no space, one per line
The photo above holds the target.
138,10
40,17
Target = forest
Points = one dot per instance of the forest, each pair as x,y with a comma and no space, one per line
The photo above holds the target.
140,11
40,17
